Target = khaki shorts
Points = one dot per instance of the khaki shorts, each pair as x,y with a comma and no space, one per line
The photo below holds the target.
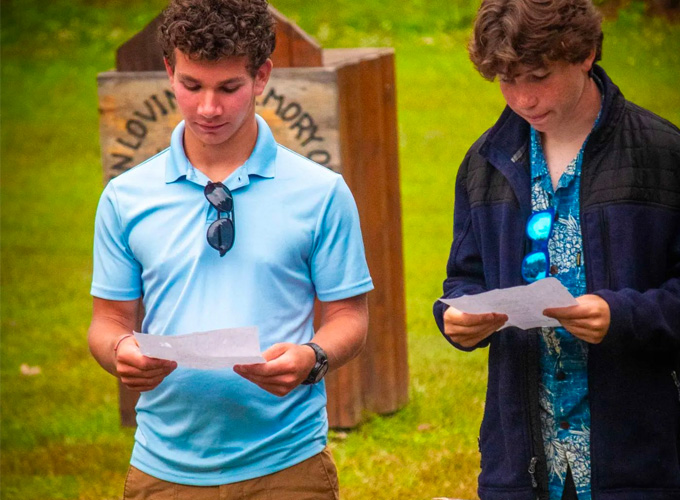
314,479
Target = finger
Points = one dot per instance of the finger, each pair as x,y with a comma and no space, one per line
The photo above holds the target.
470,340
132,372
466,319
276,389
141,385
276,351
466,341
270,369
273,384
282,380
488,327
143,363
587,336
560,313
156,363
136,359
593,322
588,331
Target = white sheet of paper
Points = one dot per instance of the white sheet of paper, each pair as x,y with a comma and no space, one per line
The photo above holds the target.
524,305
205,350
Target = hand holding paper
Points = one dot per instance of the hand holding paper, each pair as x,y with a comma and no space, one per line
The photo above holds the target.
589,320
136,371
205,350
523,305
468,329
286,367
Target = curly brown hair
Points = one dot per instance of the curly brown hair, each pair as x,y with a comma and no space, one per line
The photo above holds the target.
512,33
212,29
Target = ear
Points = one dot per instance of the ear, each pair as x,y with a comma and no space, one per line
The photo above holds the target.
262,76
587,64
168,69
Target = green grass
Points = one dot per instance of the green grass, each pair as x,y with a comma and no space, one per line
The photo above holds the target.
60,436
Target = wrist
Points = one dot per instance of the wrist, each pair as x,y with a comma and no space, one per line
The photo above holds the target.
320,367
119,341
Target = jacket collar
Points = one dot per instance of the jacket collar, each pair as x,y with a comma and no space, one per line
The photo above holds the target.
613,106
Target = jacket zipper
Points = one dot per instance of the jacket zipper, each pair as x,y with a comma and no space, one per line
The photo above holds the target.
605,247
537,469
674,374
532,471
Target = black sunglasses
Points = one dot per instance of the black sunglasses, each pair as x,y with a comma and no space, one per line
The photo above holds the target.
221,233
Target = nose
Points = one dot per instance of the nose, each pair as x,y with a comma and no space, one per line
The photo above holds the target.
209,105
525,98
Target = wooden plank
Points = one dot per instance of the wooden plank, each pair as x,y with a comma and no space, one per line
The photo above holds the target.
282,57
127,400
142,52
333,58
395,258
373,176
297,48
304,53
346,399
378,367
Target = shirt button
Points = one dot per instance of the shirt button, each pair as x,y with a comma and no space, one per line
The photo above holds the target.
564,425
553,269
561,375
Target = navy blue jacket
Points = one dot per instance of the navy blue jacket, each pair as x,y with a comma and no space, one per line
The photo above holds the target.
630,220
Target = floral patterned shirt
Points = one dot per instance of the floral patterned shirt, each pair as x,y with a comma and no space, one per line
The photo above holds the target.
563,388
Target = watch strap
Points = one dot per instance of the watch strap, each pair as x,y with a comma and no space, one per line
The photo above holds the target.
320,365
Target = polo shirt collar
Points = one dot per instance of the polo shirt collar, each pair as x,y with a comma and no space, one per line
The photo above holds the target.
261,161
177,164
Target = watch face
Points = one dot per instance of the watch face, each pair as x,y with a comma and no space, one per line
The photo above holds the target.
320,366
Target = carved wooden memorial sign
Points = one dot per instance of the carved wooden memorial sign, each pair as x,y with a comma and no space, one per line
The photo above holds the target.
138,113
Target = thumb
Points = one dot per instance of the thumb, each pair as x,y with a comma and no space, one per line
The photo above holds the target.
550,313
275,351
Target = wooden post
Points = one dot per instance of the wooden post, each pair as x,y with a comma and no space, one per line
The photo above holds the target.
336,107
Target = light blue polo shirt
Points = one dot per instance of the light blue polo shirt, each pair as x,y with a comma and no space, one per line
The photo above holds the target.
297,237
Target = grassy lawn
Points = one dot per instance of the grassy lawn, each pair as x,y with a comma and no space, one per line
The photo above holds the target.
60,437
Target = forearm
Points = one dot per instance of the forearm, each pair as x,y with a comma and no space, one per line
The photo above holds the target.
343,331
645,320
102,338
342,335
108,325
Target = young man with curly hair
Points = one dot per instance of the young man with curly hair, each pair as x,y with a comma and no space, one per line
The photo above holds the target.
573,181
226,228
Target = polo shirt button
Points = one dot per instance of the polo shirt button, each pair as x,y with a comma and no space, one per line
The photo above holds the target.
561,375
564,425
553,269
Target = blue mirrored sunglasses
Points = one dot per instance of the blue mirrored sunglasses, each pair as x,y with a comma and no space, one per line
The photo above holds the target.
536,264
221,232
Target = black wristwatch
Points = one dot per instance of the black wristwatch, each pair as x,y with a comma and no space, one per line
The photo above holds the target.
320,366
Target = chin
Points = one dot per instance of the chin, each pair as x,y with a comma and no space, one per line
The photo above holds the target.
210,137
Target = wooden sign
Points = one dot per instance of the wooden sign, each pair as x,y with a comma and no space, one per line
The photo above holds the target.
138,112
